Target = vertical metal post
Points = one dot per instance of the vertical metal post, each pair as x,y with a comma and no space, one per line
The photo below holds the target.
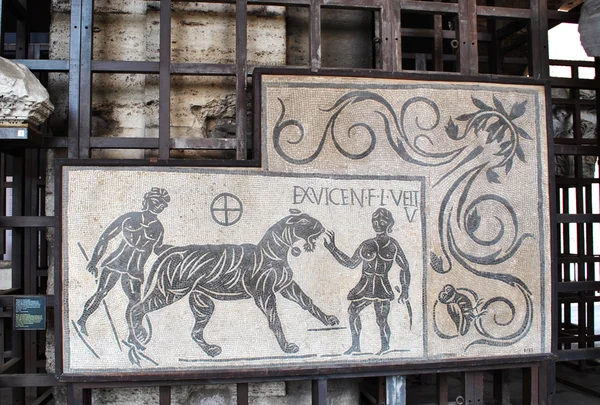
18,265
315,35
539,58
241,71
442,388
74,77
530,385
85,80
395,33
164,96
30,263
502,387
75,395
18,194
22,44
543,383
396,390
1,28
381,390
3,187
494,45
2,345
467,30
29,252
319,391
438,53
387,36
242,394
547,391
473,387
164,395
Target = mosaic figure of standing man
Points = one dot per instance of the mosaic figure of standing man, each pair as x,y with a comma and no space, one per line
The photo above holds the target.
141,234
377,256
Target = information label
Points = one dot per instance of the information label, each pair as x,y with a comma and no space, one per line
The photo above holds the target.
30,313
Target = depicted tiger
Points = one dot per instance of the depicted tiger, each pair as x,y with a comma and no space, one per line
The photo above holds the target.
231,272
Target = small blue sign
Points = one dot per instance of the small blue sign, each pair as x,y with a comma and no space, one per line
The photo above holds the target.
30,312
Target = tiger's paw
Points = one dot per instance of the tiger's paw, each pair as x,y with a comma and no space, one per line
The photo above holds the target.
331,320
212,350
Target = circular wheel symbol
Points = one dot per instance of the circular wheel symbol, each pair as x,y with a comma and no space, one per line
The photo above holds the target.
226,209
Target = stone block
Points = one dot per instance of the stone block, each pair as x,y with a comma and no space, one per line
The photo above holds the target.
120,36
267,389
126,396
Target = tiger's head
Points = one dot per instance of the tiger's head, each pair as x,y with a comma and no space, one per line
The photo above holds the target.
302,227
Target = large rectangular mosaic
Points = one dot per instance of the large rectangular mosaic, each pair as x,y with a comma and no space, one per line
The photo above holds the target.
392,222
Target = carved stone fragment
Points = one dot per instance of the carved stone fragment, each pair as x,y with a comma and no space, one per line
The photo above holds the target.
23,99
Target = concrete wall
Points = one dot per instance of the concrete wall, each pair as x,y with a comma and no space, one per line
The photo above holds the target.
126,105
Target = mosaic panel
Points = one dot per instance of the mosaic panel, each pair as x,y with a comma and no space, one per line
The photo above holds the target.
239,269
483,151
391,222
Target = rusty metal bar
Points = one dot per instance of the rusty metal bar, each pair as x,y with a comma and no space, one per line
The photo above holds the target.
530,385
395,34
22,34
74,77
467,29
319,391
442,388
164,395
540,68
85,81
164,96
473,387
387,36
242,394
19,221
75,395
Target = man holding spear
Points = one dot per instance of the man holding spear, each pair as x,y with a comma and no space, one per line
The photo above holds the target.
141,233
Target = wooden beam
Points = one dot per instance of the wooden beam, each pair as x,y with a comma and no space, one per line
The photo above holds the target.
569,5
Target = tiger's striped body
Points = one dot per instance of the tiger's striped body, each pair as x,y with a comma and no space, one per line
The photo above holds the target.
231,272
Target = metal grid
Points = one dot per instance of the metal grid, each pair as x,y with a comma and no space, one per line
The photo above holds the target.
480,40
577,192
